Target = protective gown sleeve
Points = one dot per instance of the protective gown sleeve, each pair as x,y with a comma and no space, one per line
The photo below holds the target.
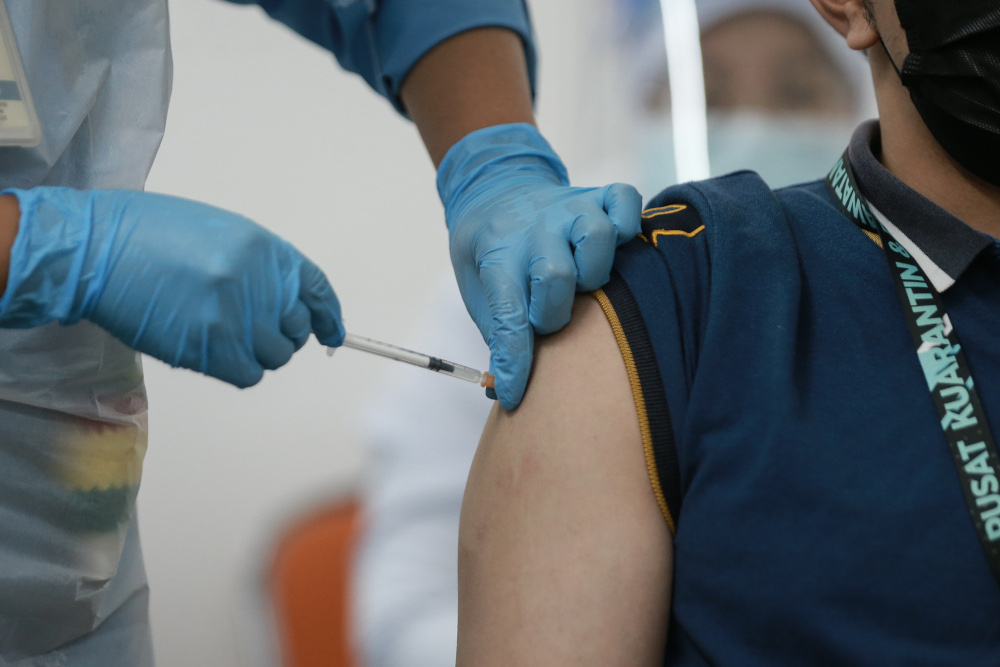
383,39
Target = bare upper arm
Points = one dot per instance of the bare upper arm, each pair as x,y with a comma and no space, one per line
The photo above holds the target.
564,556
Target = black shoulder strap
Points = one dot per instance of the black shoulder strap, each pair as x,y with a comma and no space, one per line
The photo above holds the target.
654,417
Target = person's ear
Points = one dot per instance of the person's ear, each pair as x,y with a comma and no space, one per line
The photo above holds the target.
851,19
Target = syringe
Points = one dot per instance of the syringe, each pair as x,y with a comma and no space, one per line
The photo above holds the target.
459,371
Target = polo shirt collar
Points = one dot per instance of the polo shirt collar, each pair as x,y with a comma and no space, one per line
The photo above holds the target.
941,244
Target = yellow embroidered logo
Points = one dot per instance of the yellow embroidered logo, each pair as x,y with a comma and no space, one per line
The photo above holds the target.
662,210
657,233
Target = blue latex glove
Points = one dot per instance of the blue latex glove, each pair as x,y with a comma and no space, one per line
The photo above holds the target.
522,242
187,283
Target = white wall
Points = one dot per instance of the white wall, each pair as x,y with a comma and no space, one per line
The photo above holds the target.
264,123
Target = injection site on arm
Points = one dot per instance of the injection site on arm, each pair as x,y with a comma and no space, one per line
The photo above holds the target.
564,556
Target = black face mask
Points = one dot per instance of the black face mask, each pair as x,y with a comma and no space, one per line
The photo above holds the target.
953,75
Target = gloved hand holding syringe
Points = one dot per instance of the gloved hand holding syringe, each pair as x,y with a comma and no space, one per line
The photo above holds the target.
417,359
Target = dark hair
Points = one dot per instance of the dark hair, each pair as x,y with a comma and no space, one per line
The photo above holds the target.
869,12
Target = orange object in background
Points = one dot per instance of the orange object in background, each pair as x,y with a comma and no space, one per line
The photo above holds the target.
310,587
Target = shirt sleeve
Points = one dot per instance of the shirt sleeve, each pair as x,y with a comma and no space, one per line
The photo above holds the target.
654,303
381,40
689,302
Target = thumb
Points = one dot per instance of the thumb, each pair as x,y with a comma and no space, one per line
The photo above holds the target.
623,204
317,294
512,339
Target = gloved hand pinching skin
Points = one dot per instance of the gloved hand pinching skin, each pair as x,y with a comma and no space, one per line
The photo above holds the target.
522,242
187,283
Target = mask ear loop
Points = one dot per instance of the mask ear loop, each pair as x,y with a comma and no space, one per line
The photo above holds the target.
681,36
889,55
905,79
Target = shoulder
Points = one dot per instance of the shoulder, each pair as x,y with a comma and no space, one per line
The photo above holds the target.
720,220
709,253
727,205
703,237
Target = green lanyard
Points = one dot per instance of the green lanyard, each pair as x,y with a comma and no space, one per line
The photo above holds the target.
945,368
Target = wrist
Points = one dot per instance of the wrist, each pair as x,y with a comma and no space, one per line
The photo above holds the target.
48,259
480,153
10,216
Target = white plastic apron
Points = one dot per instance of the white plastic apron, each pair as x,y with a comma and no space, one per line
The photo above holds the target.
72,401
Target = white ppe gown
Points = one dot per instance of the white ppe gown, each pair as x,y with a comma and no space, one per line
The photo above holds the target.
72,403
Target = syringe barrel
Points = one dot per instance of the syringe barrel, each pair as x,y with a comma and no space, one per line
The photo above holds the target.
386,350
424,361
460,371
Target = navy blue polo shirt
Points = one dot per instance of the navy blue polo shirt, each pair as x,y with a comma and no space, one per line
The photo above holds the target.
795,448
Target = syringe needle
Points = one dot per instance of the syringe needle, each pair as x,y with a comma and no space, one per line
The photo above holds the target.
484,379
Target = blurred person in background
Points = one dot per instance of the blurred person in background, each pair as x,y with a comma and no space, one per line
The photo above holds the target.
94,271
783,93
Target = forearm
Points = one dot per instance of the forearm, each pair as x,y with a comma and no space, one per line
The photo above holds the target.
10,214
474,80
